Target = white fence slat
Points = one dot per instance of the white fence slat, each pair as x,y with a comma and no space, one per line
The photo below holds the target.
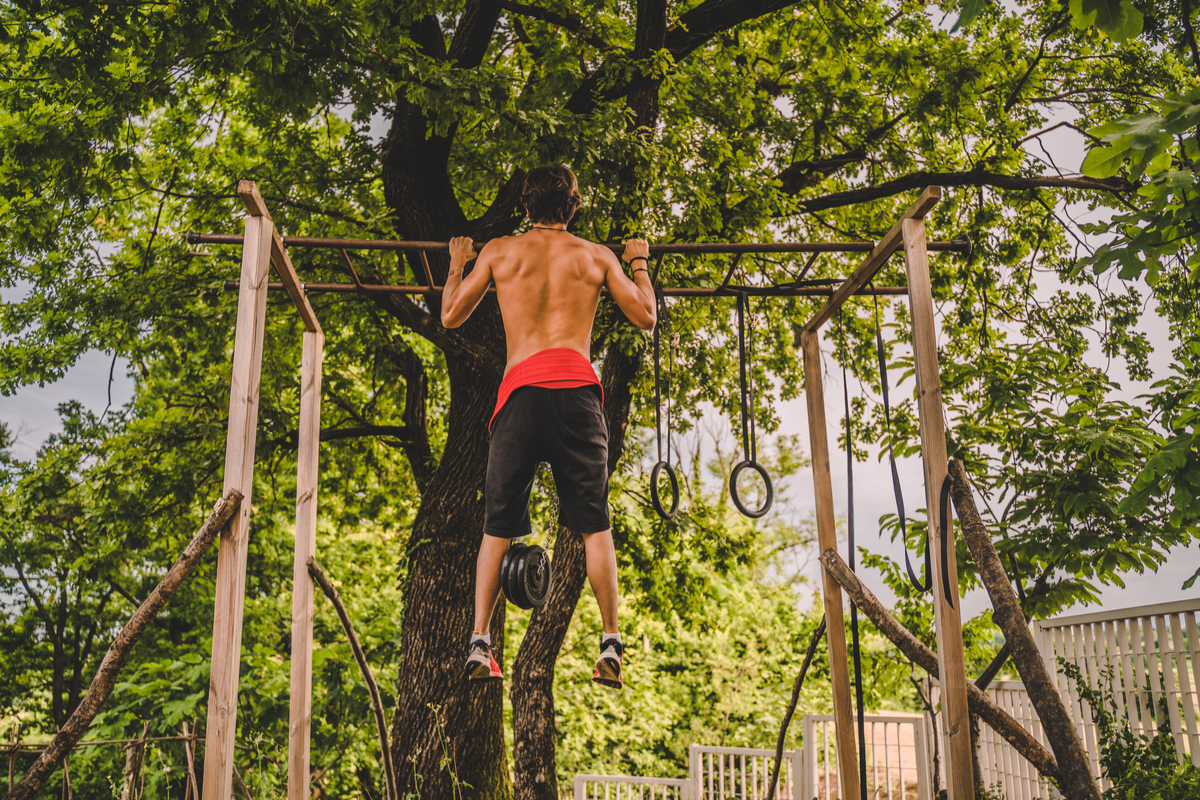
1153,673
1129,689
1170,689
1185,688
1145,698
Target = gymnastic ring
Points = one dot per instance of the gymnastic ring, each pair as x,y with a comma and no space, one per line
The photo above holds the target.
733,493
654,498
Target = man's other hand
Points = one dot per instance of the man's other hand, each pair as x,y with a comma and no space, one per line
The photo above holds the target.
462,247
635,248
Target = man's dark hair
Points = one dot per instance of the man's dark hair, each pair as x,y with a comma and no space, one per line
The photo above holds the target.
551,193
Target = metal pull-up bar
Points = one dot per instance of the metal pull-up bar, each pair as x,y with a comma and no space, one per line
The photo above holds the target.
797,288
962,246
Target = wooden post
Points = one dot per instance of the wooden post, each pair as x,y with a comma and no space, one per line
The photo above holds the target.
956,726
831,591
307,473
239,474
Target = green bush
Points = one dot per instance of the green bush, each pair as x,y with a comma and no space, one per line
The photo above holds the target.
1140,767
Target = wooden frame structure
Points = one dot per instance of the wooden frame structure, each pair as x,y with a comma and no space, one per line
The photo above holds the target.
262,248
908,234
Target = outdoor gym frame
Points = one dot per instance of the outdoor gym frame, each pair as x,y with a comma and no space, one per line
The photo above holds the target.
262,247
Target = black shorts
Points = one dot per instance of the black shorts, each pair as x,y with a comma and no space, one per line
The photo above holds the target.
566,428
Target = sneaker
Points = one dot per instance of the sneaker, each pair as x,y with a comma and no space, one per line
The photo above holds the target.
481,665
608,666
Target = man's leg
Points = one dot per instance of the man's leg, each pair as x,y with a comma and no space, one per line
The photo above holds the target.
602,575
487,581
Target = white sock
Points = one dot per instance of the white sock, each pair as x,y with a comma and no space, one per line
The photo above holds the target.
604,637
485,638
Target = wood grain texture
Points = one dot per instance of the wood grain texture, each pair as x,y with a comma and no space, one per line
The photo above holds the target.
291,282
252,200
229,603
875,260
307,474
831,592
956,721
106,676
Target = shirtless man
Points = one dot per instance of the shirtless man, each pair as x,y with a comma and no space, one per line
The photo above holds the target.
549,407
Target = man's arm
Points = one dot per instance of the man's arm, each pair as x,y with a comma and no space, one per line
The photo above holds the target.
634,297
461,295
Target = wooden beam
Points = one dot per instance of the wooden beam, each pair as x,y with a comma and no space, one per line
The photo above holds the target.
255,205
307,472
876,258
291,282
230,598
960,777
831,591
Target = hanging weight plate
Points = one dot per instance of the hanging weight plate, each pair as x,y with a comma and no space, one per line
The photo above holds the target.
508,567
535,575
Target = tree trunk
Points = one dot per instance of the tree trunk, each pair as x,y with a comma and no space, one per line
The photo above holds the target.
1078,783
439,714
532,690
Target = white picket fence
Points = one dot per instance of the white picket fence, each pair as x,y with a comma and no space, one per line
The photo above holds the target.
717,773
626,787
897,757
1154,654
897,768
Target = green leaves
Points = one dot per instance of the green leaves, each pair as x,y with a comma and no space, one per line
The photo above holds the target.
1117,18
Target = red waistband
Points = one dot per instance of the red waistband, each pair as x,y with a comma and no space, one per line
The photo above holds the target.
553,368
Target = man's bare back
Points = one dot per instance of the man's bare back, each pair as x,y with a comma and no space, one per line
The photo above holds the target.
548,285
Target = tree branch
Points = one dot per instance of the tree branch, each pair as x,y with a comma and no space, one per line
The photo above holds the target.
571,23
389,773
919,180
694,29
474,33
114,659
505,213
416,393
291,439
916,650
1076,774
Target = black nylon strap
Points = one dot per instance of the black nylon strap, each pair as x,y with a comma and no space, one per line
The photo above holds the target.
944,519
858,687
918,584
657,391
745,345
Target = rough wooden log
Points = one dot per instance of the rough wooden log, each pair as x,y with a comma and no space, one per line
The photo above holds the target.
1077,780
787,718
114,659
389,774
1012,731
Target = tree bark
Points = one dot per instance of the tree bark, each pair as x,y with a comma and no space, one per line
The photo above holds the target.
1012,731
1077,780
106,676
532,690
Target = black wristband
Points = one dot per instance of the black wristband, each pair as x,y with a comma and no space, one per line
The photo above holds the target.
638,258
641,269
